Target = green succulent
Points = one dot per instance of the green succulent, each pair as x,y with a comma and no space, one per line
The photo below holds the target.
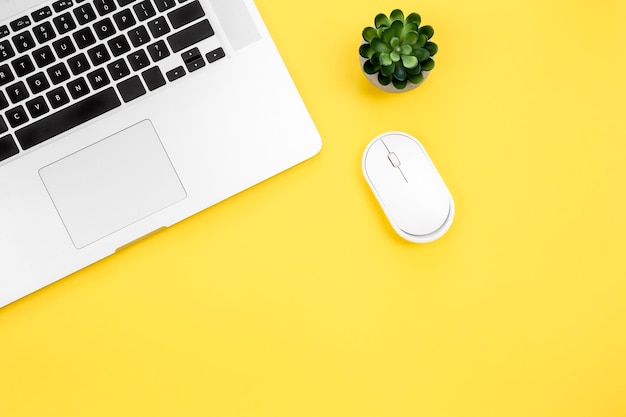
398,49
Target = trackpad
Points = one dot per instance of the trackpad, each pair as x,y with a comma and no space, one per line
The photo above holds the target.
112,184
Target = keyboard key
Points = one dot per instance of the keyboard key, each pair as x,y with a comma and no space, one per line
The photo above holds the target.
8,147
37,83
59,6
23,41
131,88
64,47
85,14
98,55
78,88
41,14
21,23
68,118
163,5
6,75
158,51
186,14
144,10
43,56
138,60
175,74
124,19
118,69
58,97
193,60
23,66
64,23
17,116
4,31
215,54
44,32
17,92
84,38
78,64
195,64
37,107
158,27
104,6
190,36
119,45
104,28
139,36
190,54
58,73
98,78
3,125
153,78
3,101
6,51
123,3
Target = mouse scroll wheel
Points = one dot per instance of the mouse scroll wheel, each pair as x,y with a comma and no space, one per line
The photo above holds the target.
393,158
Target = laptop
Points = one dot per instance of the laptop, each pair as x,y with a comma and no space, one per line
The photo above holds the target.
122,117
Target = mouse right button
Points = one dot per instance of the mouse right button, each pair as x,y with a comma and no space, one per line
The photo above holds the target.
428,201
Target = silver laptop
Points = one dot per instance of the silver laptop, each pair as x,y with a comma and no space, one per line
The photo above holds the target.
121,117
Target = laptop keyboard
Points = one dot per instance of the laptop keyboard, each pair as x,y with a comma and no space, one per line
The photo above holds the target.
71,61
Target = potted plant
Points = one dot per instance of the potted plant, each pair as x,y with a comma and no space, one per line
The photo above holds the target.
396,54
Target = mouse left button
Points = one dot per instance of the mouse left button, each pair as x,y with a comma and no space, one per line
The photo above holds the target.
378,168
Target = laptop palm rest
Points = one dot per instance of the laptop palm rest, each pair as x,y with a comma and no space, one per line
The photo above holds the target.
112,184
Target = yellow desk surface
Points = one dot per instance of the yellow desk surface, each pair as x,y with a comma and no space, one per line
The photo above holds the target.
296,298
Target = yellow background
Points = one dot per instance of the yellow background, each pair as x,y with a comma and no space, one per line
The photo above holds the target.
296,298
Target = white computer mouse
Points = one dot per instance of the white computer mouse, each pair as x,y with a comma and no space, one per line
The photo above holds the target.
408,187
